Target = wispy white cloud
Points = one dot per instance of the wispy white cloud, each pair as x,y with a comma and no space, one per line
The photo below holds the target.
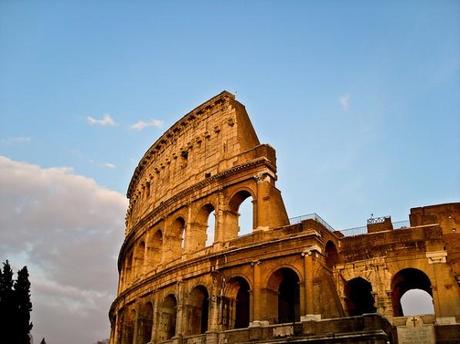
140,125
344,102
105,121
67,230
108,165
16,140
104,164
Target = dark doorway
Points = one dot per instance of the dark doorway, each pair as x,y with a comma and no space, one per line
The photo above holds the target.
236,304
242,305
288,297
167,328
359,298
199,310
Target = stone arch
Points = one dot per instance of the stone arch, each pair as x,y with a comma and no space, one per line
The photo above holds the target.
145,322
155,248
200,230
176,240
405,280
416,302
236,303
129,267
283,295
120,323
359,298
168,314
233,222
128,328
331,254
139,254
198,310
179,228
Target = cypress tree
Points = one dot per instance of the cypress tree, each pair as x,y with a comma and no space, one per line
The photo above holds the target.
23,306
7,303
15,306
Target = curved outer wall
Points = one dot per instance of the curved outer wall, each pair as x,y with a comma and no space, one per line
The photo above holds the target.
177,285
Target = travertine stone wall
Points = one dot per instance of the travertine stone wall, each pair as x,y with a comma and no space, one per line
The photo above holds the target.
176,288
205,142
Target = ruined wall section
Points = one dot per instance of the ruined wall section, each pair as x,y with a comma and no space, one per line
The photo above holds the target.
207,141
379,257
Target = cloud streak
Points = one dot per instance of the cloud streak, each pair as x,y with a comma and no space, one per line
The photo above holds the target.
141,125
67,229
108,165
16,140
105,121
344,102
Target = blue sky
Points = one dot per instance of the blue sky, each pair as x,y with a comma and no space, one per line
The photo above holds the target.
360,99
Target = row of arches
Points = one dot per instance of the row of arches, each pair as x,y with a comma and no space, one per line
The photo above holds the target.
234,301
411,294
233,309
179,237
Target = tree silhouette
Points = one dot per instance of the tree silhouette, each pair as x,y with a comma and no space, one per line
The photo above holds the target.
15,306
7,310
23,304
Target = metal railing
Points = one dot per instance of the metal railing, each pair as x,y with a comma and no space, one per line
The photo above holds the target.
312,216
363,229
348,231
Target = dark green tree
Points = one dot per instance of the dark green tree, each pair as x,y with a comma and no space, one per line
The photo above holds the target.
15,306
7,303
23,306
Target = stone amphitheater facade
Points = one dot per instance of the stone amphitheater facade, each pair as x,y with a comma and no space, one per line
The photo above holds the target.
289,280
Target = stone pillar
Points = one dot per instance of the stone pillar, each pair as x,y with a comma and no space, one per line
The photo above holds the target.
121,279
219,222
180,314
230,225
257,302
145,261
196,237
309,265
156,319
255,215
261,207
136,327
213,318
189,232
115,325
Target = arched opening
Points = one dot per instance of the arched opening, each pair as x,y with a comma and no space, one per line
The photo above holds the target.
416,302
179,226
407,280
139,254
236,304
211,228
332,256
204,228
129,327
119,327
242,209
283,296
358,297
199,310
176,239
145,322
154,248
168,312
129,268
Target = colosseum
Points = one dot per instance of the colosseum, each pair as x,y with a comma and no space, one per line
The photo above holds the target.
187,275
